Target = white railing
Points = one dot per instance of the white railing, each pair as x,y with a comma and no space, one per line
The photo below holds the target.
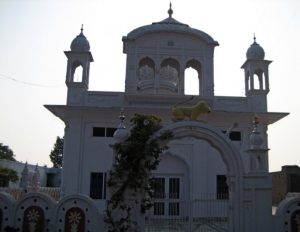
205,214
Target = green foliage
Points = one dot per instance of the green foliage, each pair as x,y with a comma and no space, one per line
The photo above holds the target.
6,153
56,155
7,175
135,159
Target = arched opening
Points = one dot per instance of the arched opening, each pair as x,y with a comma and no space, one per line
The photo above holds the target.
191,86
258,80
77,72
146,74
146,69
193,78
169,75
215,171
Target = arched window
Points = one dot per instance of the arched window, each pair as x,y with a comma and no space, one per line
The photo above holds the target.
146,69
169,74
191,86
77,72
193,78
258,80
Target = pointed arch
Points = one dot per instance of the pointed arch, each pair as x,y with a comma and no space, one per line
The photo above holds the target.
169,74
77,71
146,69
146,74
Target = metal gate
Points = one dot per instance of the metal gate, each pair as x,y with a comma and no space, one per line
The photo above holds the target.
207,214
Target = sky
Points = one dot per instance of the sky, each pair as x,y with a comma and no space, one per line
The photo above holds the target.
34,34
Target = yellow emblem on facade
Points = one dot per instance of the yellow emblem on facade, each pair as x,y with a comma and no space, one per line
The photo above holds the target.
191,113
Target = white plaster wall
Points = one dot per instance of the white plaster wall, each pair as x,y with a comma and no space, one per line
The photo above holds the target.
203,162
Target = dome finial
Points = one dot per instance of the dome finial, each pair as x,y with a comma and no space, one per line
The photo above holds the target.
254,38
81,29
80,43
170,11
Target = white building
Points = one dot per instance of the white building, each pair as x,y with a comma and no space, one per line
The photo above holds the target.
215,175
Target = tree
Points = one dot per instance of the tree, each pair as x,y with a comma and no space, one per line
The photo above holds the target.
131,174
7,175
56,155
6,153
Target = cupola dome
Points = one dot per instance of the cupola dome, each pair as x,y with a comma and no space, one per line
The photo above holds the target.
80,43
170,25
255,52
121,134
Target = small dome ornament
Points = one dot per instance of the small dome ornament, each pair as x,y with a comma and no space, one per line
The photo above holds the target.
170,11
255,51
256,139
121,134
80,43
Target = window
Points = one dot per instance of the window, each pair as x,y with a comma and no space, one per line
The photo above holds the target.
174,188
110,132
98,185
103,132
98,131
166,196
234,135
159,188
222,187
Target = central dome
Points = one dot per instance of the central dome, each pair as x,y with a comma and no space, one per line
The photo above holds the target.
170,25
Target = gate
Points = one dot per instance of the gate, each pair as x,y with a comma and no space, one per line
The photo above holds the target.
207,214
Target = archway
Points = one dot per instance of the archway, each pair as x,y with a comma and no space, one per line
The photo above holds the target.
230,156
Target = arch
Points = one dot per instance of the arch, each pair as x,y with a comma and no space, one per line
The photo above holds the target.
195,65
84,203
146,74
229,154
147,61
286,211
6,207
77,71
169,74
34,204
170,62
258,81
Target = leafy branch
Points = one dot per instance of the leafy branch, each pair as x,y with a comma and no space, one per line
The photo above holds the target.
130,176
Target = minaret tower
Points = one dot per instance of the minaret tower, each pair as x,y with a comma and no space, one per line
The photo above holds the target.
79,56
257,75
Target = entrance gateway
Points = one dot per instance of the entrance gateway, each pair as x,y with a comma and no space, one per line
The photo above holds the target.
218,215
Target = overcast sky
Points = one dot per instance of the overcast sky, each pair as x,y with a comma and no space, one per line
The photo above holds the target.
34,34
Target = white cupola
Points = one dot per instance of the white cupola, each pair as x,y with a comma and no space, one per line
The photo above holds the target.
78,68
256,70
158,55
